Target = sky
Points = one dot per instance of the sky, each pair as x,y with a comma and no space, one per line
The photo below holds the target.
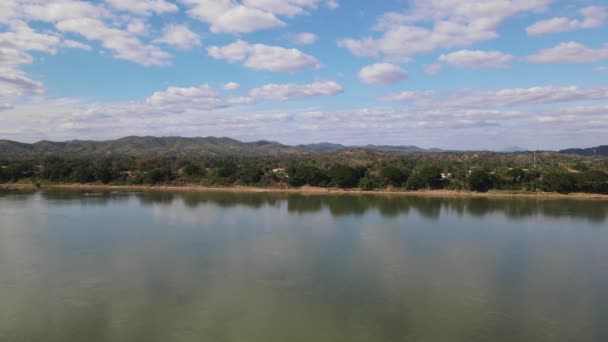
452,74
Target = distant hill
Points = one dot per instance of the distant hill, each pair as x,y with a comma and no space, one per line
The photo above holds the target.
593,151
514,149
323,147
178,146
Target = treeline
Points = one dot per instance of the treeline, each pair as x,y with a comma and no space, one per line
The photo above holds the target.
482,173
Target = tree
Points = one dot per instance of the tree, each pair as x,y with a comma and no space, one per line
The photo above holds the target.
556,181
343,176
594,181
192,171
250,174
427,177
307,175
227,169
83,174
55,169
158,175
369,183
392,175
103,172
480,181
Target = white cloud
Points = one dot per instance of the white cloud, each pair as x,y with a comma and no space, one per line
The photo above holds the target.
382,74
602,68
570,52
72,44
10,56
14,83
227,16
593,16
231,16
23,38
138,27
144,7
264,57
54,11
477,59
500,98
231,86
284,7
453,24
124,44
284,92
179,36
203,97
305,38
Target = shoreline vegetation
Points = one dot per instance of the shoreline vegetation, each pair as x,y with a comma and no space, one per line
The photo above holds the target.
351,172
305,190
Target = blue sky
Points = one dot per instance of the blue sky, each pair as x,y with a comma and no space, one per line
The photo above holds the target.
432,73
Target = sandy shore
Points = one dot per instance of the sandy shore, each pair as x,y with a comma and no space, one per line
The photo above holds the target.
303,190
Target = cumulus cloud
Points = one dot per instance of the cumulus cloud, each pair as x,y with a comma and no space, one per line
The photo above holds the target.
203,97
14,83
54,11
382,74
124,45
230,16
138,27
500,98
452,24
179,36
264,57
72,44
570,52
144,7
231,86
5,106
475,59
287,7
593,16
21,37
285,92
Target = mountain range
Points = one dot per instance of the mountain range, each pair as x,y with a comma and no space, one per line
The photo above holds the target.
179,146
134,146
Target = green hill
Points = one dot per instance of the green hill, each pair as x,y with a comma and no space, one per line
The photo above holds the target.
177,146
593,151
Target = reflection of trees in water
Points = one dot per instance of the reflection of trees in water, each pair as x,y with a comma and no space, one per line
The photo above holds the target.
343,205
392,206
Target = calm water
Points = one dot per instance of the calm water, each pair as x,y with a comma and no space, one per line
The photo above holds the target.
263,268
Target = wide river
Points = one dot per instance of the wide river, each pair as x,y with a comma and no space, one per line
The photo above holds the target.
242,267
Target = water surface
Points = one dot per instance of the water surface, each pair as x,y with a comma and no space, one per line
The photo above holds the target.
274,267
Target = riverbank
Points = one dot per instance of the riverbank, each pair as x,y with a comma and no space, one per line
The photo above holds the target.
302,190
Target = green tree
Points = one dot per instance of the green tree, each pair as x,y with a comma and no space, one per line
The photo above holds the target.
250,174
83,174
158,175
343,176
306,175
594,181
392,175
556,181
480,181
427,177
369,183
192,171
